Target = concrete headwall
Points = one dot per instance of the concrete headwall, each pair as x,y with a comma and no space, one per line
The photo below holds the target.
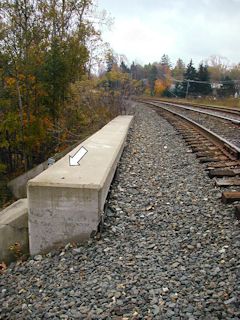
66,202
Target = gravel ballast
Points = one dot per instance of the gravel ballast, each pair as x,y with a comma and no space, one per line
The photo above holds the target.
169,248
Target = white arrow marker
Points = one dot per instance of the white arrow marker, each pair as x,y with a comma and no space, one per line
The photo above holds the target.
74,161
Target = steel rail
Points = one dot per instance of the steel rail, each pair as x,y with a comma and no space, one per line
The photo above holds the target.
228,148
235,121
205,106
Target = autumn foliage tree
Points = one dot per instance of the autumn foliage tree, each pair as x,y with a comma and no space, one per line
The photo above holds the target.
43,52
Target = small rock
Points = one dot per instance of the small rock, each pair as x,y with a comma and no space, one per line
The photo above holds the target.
175,264
38,257
77,250
24,306
216,270
229,301
156,310
117,295
68,246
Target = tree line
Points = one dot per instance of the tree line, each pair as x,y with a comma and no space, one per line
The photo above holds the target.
213,76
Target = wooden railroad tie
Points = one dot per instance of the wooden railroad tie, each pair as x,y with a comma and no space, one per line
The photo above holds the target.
197,144
230,196
205,148
228,182
223,164
223,172
208,159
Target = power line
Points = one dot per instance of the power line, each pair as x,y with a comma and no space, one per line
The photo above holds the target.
206,82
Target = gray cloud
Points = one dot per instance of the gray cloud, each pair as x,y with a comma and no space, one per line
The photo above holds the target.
145,29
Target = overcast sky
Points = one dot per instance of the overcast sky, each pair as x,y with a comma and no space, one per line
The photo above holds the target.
146,29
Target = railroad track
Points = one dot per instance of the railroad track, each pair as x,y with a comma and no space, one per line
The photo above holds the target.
231,115
226,125
227,110
222,157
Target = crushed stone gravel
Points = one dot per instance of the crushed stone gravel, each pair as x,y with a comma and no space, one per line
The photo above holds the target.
169,248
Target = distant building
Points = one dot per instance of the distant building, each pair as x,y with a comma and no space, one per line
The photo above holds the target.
215,87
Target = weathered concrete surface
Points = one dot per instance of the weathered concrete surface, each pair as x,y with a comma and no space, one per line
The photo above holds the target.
66,202
13,229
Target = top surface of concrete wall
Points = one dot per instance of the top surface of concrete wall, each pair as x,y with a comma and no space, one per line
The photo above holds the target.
14,211
94,166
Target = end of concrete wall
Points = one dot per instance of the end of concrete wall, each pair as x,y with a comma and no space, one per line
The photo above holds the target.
13,230
18,186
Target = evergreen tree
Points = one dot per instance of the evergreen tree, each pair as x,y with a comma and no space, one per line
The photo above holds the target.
190,87
164,68
139,72
110,60
203,75
146,70
124,68
133,70
165,61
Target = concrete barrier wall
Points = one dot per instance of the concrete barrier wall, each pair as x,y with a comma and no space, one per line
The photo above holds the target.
18,186
65,202
13,229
